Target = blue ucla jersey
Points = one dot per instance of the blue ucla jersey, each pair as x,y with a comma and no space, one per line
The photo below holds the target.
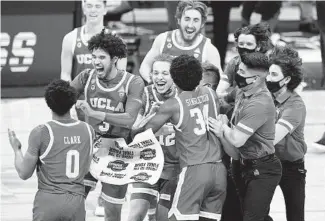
109,100
66,160
172,48
81,55
167,142
197,145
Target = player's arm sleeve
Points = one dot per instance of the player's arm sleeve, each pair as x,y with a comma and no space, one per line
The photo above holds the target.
80,81
66,57
27,166
146,65
132,107
291,118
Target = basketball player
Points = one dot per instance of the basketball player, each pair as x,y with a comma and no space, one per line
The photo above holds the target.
61,149
191,16
113,99
144,196
201,187
75,56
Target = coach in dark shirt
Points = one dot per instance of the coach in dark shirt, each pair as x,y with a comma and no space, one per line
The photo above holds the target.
285,75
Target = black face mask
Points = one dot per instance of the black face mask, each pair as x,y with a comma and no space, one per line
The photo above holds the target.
242,51
274,86
241,81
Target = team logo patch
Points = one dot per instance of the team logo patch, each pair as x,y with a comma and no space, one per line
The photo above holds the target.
117,165
140,177
169,40
169,45
148,154
121,92
79,44
92,87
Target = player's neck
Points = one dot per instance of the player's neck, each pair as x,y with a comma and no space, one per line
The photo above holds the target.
65,117
93,28
112,74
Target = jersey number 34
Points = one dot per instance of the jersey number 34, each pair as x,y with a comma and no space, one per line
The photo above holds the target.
201,119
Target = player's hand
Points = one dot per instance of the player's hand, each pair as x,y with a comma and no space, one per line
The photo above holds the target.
15,143
215,125
223,118
84,106
154,108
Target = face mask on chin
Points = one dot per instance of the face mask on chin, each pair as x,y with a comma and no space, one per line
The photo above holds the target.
274,86
242,81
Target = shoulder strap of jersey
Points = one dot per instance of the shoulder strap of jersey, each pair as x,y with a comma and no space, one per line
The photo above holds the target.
75,33
167,34
214,101
92,71
130,76
146,110
181,113
48,148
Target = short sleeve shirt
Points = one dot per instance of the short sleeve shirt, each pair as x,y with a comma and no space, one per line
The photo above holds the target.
254,115
291,113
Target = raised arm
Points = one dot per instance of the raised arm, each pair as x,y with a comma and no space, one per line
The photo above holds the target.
146,65
67,57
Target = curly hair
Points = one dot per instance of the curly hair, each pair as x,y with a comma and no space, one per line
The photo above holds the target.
111,44
186,72
60,96
208,67
256,60
290,63
185,5
260,31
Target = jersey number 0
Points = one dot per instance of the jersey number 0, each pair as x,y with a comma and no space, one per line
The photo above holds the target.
72,164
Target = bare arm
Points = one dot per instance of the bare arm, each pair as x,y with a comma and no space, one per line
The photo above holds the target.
66,57
146,65
25,165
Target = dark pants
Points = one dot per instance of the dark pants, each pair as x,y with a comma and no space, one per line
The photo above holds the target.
259,180
231,210
293,184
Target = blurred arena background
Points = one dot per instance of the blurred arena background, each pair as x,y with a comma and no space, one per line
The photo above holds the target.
31,38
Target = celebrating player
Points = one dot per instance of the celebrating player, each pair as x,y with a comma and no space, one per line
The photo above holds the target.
61,149
144,196
201,187
113,99
191,16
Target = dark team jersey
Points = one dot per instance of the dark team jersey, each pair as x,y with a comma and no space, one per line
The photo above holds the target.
110,97
66,158
167,142
172,48
195,143
81,55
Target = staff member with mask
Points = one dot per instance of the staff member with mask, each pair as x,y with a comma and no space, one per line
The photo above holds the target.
285,74
252,135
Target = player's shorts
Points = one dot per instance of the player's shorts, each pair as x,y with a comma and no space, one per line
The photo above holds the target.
164,189
111,193
53,207
200,192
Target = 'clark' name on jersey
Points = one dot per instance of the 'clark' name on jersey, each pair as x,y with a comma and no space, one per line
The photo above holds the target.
72,140
105,103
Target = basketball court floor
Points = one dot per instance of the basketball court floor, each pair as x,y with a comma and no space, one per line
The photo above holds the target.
23,115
